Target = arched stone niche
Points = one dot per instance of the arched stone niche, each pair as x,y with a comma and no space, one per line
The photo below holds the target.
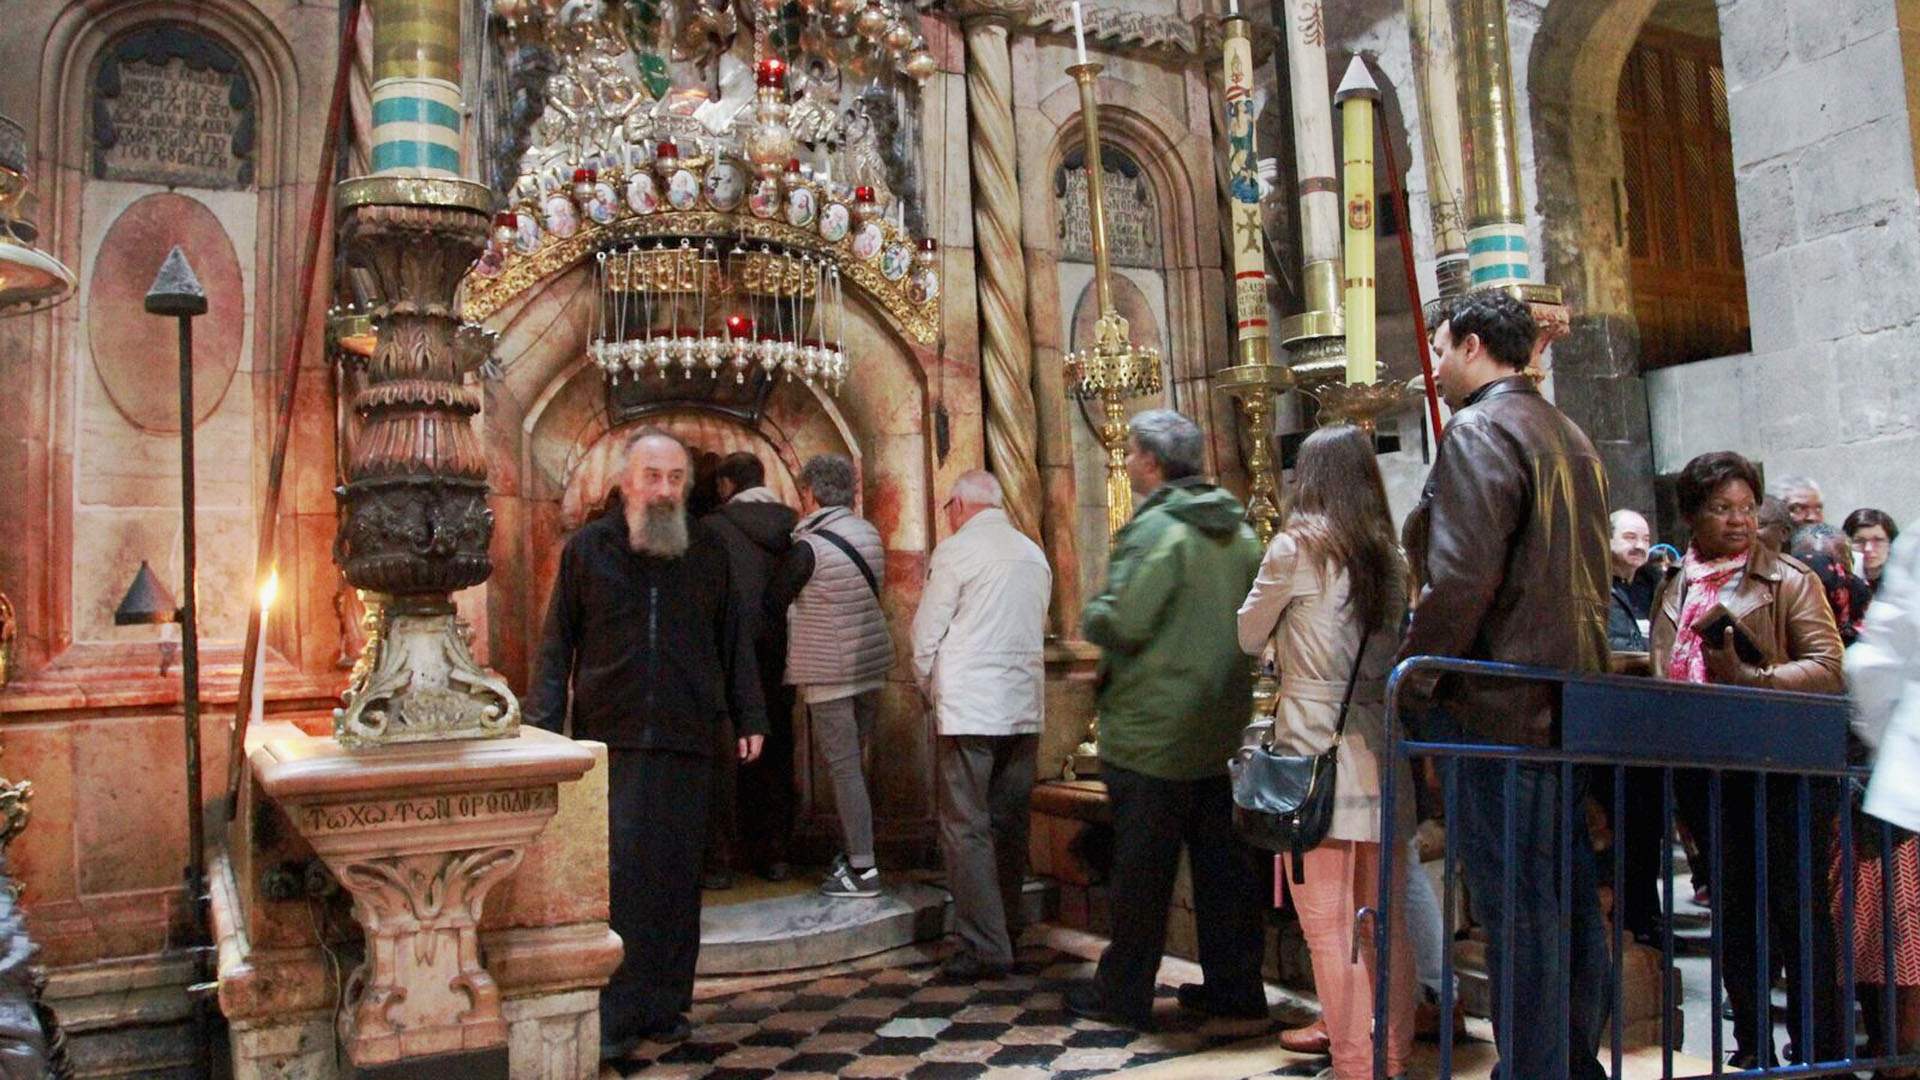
98,474
555,443
1174,156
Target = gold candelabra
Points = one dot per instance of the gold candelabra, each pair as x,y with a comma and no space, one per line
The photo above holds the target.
1113,369
1254,385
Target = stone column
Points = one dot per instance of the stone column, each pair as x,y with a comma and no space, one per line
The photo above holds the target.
1006,345
1437,75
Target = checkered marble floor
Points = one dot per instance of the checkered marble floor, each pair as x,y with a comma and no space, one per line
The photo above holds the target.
901,1021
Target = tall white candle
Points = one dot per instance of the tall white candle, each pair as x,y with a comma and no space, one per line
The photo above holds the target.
1233,7
1079,33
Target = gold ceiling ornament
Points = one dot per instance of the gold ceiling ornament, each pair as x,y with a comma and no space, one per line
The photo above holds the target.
725,169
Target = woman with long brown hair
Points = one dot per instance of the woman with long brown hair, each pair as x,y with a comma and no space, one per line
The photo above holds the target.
1331,594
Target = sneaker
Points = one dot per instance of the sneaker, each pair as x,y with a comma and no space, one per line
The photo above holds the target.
846,882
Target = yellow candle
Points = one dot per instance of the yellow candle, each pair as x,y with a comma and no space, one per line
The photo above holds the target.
1356,97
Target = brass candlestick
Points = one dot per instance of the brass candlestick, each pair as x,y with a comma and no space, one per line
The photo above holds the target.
1113,369
1362,404
1254,385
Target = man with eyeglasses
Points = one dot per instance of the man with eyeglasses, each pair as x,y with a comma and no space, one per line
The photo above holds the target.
1802,496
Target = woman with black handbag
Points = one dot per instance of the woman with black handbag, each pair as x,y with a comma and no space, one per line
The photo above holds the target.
1331,594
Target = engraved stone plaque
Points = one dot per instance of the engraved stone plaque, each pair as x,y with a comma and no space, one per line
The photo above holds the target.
172,106
1133,222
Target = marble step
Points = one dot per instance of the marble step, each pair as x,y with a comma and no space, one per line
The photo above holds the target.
803,929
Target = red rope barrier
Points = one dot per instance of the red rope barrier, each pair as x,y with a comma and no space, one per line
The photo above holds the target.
1401,210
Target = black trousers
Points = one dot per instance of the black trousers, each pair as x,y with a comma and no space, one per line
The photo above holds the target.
1643,834
656,828
766,799
1737,906
751,807
1152,819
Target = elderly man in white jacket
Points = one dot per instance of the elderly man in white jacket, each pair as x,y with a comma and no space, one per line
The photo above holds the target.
977,651
1883,672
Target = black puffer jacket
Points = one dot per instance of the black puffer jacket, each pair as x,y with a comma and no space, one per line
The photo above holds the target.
655,651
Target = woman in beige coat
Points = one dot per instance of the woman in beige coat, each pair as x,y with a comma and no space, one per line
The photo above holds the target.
1332,577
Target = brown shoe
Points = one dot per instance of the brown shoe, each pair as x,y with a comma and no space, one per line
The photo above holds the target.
1311,1039
1426,1020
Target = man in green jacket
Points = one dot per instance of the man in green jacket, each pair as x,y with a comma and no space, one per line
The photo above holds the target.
1174,693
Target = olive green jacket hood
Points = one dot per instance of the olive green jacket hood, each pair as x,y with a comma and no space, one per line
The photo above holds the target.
1175,689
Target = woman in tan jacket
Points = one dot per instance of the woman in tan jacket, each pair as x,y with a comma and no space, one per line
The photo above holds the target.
1780,608
1332,578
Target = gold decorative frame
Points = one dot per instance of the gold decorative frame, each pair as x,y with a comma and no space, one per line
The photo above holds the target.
484,295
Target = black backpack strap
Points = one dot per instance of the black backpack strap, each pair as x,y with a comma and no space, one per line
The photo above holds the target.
859,563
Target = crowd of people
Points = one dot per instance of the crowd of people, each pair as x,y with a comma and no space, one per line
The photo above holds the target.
685,642
685,645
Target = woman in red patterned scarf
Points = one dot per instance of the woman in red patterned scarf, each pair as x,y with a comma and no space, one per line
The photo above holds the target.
1769,626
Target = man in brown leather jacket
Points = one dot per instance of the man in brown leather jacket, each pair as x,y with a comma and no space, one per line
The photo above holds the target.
1510,541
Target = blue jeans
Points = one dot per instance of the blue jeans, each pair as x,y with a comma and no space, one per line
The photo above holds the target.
1534,1042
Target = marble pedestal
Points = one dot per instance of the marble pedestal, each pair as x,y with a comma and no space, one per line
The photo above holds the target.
419,835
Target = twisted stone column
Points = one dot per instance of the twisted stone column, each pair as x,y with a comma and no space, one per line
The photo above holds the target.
1006,345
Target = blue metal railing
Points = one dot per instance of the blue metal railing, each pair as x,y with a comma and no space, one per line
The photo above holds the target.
1788,749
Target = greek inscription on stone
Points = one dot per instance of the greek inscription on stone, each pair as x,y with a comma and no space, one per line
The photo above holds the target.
1133,226
427,810
171,124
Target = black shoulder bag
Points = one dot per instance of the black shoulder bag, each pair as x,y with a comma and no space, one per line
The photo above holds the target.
1284,802
847,549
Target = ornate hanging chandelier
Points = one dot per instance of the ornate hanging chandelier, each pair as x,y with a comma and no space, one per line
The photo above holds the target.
729,169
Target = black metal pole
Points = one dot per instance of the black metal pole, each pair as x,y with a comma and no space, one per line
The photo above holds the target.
177,292
190,632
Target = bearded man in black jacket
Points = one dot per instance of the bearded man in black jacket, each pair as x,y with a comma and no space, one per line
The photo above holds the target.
644,629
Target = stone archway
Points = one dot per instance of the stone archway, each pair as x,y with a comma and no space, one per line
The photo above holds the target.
1572,82
553,435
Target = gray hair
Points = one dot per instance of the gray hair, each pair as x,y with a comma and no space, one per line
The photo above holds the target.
1171,440
829,478
1817,539
1787,485
977,487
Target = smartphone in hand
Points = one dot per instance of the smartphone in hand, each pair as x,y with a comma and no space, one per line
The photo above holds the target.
1713,628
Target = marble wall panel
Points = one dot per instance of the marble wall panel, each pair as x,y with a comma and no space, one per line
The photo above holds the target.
325,613
42,857
310,477
130,825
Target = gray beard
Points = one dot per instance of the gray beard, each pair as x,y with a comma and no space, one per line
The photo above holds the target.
657,530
